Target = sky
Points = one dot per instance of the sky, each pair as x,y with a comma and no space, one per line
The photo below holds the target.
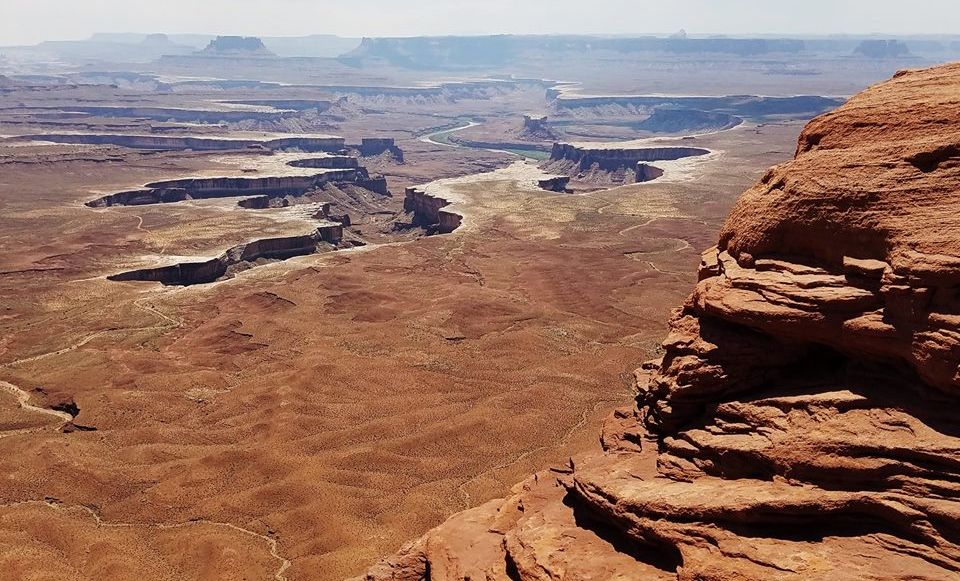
31,21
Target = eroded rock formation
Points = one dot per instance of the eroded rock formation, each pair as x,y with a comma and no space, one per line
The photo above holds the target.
682,120
612,166
646,172
535,127
238,258
614,158
336,170
370,146
737,105
803,422
555,184
428,213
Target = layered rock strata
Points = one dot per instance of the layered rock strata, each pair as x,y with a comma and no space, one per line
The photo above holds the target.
615,158
739,105
613,165
803,422
166,142
555,184
427,212
535,127
370,146
326,237
169,191
247,46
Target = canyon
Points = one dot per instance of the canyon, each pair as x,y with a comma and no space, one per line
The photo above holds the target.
801,421
274,309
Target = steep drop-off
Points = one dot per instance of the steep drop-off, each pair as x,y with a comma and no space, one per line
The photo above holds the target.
427,212
803,422
611,165
737,105
337,170
162,142
238,258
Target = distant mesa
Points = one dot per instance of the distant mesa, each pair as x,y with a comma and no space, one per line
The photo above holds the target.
245,46
159,41
883,49
479,51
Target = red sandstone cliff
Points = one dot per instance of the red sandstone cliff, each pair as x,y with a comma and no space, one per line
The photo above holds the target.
804,422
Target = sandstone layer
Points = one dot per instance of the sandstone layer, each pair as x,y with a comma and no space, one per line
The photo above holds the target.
802,423
614,165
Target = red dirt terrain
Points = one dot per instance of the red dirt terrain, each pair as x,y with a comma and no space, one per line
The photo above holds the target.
305,417
802,423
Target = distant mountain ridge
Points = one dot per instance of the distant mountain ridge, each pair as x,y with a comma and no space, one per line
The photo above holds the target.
467,51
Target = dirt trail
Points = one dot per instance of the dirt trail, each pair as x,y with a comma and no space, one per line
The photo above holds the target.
23,400
23,396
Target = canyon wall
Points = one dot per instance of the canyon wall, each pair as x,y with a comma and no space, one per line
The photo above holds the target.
161,142
370,146
320,105
499,145
804,420
190,273
597,167
554,184
226,187
174,114
610,159
328,162
428,213
646,172
683,121
738,105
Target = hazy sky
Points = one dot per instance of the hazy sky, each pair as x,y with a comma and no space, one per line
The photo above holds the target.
30,21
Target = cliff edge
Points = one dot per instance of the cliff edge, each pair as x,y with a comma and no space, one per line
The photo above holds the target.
804,422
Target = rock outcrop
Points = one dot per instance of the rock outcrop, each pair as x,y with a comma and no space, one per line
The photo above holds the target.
803,422
333,170
610,158
609,166
736,105
174,113
555,184
240,257
236,46
371,146
428,213
680,120
535,127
